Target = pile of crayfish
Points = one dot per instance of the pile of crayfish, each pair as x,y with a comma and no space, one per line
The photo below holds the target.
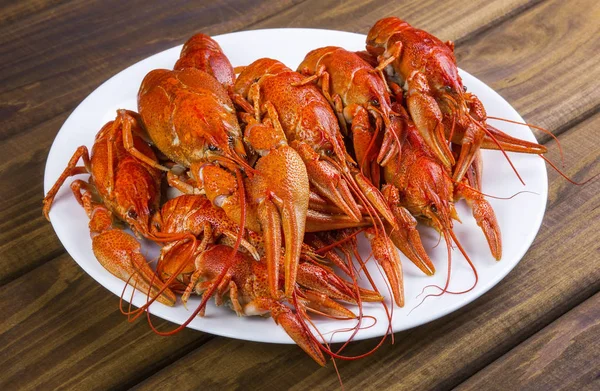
279,170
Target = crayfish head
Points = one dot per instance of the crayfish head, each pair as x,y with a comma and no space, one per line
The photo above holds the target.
439,214
229,150
176,258
211,262
136,195
320,129
255,71
369,91
189,116
381,33
430,196
448,87
446,78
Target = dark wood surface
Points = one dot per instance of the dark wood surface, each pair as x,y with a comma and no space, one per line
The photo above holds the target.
537,329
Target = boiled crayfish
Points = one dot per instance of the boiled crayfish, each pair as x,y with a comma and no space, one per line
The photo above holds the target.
436,98
121,188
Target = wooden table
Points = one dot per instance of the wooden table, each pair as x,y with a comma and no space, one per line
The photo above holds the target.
538,329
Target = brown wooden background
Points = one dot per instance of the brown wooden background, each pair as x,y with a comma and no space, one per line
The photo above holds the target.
538,329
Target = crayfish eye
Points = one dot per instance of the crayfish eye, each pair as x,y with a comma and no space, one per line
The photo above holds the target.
434,208
212,147
465,88
132,214
375,102
230,140
448,88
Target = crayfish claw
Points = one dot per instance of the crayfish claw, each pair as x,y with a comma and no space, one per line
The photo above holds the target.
428,120
295,329
509,143
318,221
407,237
322,304
376,199
324,281
328,181
484,216
280,188
471,143
119,253
386,254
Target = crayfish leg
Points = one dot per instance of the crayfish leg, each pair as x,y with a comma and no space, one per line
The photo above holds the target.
71,170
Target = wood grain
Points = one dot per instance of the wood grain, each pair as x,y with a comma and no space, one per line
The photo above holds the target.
89,43
551,279
450,20
61,328
567,352
27,240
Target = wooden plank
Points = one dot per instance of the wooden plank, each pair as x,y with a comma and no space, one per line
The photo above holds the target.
563,355
17,10
552,278
50,59
61,328
26,238
450,20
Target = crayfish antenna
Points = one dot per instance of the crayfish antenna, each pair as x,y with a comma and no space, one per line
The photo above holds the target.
499,145
535,148
450,233
549,133
349,242
565,175
449,274
205,297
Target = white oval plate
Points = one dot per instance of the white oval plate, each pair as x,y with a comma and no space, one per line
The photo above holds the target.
519,217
